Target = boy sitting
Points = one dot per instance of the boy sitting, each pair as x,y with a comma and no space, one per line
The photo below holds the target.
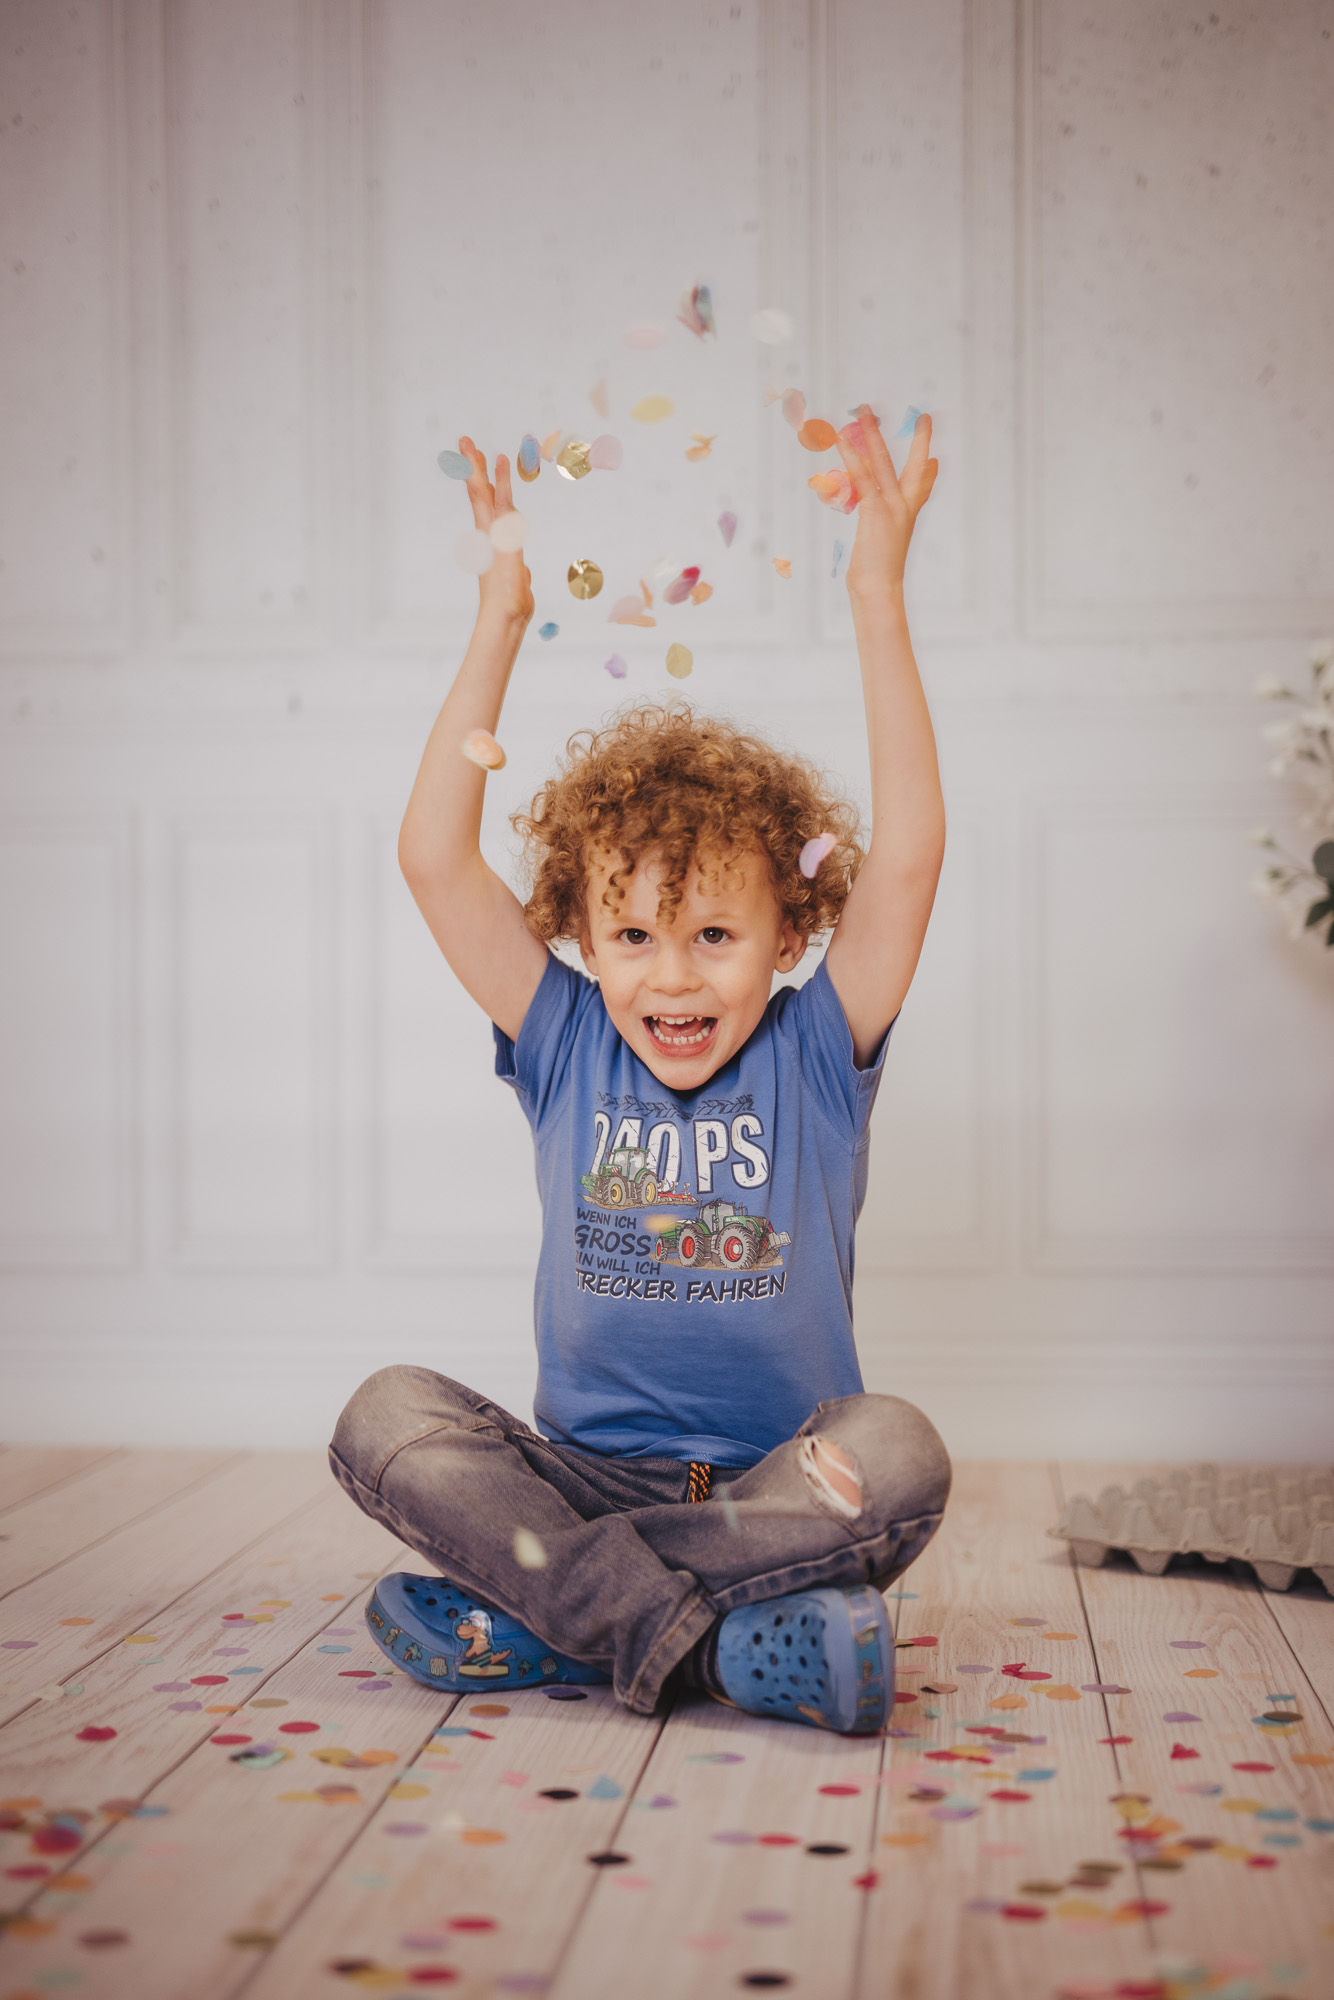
709,1496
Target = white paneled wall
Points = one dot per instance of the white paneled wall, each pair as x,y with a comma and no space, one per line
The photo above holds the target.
261,262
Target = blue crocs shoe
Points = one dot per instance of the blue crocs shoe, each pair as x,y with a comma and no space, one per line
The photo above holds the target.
453,1640
820,1656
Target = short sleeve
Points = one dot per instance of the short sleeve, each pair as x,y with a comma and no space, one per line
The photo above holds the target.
537,1065
816,1028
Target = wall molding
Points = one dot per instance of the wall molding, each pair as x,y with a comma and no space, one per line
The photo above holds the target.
1045,616
1047,1248
116,1249
190,1249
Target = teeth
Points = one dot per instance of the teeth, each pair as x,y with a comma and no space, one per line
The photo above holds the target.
662,1022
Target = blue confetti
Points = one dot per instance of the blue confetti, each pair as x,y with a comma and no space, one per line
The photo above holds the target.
454,465
1277,1812
838,557
909,423
333,1649
1034,1777
244,1670
605,1788
1319,1825
1282,1840
548,631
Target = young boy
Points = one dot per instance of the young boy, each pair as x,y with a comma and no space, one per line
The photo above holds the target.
701,1152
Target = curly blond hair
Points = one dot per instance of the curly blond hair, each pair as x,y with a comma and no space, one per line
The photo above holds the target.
660,779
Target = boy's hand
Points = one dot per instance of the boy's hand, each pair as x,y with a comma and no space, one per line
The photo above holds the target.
888,503
507,587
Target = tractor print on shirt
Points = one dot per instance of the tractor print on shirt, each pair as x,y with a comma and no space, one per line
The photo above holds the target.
722,1234
625,1179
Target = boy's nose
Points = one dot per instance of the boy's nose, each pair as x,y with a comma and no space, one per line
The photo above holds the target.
674,974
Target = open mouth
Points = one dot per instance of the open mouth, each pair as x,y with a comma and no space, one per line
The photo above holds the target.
680,1034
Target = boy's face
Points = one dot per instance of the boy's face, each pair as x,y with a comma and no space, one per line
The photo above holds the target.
686,994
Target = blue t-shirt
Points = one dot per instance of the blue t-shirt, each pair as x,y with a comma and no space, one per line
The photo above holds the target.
694,1291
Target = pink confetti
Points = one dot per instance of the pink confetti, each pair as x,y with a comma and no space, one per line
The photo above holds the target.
794,408
681,586
605,453
616,667
812,854
727,526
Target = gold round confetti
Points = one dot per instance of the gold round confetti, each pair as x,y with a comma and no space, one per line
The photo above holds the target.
680,660
584,578
572,459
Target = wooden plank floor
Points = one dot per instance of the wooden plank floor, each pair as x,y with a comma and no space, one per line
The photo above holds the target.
208,1787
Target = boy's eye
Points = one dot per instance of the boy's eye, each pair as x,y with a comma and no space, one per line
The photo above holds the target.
713,934
633,936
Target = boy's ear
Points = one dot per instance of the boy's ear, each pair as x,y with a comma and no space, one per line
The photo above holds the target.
587,953
791,948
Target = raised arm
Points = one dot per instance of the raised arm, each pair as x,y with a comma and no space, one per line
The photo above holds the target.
878,939
475,918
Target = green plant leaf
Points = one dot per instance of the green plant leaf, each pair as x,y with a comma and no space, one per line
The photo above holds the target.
1319,911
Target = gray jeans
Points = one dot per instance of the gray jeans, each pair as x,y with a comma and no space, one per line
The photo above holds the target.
635,1575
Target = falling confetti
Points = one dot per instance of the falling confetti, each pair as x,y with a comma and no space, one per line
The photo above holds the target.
599,398
696,313
812,854
723,1495
549,630
572,460
702,446
454,465
794,408
701,593
530,457
909,424
772,394
604,454
817,435
473,552
681,586
482,749
629,611
644,334
529,1552
834,488
507,532
584,578
549,444
771,326
838,557
680,660
652,409
783,565
616,667
727,527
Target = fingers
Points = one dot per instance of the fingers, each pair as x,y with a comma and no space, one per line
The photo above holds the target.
859,472
504,493
877,451
479,486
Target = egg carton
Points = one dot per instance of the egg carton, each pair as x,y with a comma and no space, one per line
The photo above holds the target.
1278,1520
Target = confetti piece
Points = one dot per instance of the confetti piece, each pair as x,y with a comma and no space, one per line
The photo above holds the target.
909,424
584,578
605,453
1180,1750
1061,1691
1178,1715
572,460
814,852
727,527
72,1621
701,448
629,611
681,586
528,1550
616,667
771,326
1191,1645
598,397
549,444
473,552
696,313
644,334
454,465
1252,1767
1114,1687
549,630
298,1728
482,749
529,457
95,1733
1200,1674
680,661
783,565
1008,1701
817,435
794,408
605,1788
507,532
834,488
652,409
